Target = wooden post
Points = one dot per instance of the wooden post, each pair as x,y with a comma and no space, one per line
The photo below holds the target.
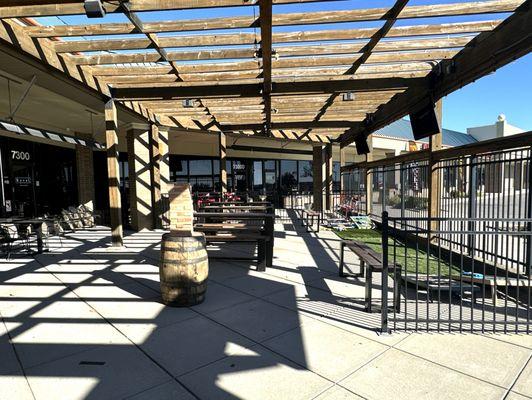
369,176
328,159
434,198
85,173
222,151
317,177
155,175
115,201
164,171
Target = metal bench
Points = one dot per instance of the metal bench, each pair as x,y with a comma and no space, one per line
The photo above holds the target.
370,261
308,217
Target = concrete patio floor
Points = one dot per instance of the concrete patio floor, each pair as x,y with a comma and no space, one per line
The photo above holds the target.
86,322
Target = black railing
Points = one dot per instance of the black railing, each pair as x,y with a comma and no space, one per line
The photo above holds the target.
446,287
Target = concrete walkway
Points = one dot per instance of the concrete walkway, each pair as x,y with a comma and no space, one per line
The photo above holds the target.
85,322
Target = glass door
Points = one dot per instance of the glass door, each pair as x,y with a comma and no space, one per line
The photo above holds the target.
23,199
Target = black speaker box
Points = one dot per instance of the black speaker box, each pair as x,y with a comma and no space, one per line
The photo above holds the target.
362,145
424,122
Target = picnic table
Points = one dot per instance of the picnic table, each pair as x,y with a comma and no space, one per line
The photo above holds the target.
222,227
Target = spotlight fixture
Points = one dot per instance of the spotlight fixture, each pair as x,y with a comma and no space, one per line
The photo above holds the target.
348,96
188,103
94,9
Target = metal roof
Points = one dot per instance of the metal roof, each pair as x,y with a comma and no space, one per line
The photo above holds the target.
401,129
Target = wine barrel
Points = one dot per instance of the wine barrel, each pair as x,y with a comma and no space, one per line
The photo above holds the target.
184,268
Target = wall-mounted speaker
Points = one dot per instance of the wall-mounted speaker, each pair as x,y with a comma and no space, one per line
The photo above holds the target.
362,145
424,121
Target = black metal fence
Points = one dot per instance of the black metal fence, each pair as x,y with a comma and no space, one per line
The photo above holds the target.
446,287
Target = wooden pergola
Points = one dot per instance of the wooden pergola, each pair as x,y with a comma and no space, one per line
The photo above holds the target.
254,76
311,76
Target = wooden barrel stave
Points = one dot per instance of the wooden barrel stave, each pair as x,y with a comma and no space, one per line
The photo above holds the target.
183,269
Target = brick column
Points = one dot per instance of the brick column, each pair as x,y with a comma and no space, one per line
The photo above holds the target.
85,174
318,174
140,183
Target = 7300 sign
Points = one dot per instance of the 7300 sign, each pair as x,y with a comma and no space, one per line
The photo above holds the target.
20,155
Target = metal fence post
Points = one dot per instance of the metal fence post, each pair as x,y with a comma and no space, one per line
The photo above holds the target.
528,264
384,172
402,193
472,209
384,283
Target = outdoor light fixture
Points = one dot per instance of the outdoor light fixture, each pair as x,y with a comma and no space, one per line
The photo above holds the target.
188,103
349,96
94,9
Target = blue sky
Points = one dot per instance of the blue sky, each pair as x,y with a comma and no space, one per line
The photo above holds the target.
507,91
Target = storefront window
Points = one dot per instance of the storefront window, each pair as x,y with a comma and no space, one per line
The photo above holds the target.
305,176
336,176
200,167
201,177
258,184
269,176
288,176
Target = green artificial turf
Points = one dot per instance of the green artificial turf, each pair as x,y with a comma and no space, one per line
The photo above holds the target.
415,260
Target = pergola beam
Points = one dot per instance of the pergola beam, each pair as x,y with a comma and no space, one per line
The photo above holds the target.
293,125
358,49
40,8
322,17
266,56
242,89
243,38
485,54
392,15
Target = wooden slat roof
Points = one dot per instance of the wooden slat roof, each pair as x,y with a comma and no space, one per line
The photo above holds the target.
267,71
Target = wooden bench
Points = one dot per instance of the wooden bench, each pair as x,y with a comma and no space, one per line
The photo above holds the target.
307,219
224,231
370,261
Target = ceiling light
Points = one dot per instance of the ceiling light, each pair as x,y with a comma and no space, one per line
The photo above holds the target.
349,96
188,103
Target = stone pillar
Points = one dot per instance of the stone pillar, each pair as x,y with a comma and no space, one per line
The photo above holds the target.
155,176
328,160
140,183
115,202
318,175
434,184
85,174
222,151
369,176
